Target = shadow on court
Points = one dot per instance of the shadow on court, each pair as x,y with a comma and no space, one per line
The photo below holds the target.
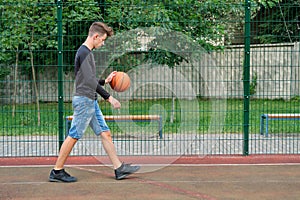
177,181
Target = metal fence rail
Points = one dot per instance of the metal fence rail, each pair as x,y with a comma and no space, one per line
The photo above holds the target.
221,67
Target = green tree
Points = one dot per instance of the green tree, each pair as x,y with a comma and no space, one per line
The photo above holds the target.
204,21
77,18
277,22
27,26
12,42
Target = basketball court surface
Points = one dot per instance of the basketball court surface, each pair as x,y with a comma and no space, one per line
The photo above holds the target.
253,177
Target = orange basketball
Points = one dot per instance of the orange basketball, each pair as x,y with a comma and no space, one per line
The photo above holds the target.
120,82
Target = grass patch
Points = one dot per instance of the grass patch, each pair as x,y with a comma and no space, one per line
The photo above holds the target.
188,116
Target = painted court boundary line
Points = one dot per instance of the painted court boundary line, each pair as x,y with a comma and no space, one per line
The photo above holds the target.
156,165
156,160
129,181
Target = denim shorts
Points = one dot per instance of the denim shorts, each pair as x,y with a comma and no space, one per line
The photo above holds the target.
86,113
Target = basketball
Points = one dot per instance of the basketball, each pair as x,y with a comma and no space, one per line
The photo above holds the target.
120,82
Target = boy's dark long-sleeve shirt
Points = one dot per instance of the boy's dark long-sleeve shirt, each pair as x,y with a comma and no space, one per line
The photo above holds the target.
86,82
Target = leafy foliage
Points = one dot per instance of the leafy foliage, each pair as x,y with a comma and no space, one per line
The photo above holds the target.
4,71
164,57
203,21
31,25
197,19
253,84
277,21
27,26
77,17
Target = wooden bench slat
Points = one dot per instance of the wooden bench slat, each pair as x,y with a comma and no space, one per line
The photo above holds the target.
283,115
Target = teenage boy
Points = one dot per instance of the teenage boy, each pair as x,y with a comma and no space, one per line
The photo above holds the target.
86,108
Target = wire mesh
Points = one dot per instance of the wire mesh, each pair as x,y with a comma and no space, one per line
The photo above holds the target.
275,78
186,64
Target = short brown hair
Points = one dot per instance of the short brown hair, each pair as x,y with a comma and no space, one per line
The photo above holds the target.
100,28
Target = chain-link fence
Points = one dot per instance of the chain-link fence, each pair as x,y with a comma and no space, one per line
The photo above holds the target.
222,77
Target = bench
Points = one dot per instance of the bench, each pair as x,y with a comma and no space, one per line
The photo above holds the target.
124,118
269,117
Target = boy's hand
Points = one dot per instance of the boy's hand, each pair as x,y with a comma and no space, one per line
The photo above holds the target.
114,102
110,77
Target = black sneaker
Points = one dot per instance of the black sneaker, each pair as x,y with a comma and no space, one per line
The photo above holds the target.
125,170
61,176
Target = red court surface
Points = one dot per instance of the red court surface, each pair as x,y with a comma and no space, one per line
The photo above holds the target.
229,177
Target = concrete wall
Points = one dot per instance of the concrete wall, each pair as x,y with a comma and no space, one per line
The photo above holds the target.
277,68
211,75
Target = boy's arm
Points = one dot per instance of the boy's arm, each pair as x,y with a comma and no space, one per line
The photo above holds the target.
101,82
103,93
100,90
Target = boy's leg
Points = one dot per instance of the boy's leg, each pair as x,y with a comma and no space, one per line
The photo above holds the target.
58,174
110,149
64,152
98,124
83,112
121,169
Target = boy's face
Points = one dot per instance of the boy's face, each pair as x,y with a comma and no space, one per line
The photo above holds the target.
99,40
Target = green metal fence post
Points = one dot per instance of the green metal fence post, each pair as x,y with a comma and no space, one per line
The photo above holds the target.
60,75
246,78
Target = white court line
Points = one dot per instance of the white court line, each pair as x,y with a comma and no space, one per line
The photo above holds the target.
161,181
158,165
